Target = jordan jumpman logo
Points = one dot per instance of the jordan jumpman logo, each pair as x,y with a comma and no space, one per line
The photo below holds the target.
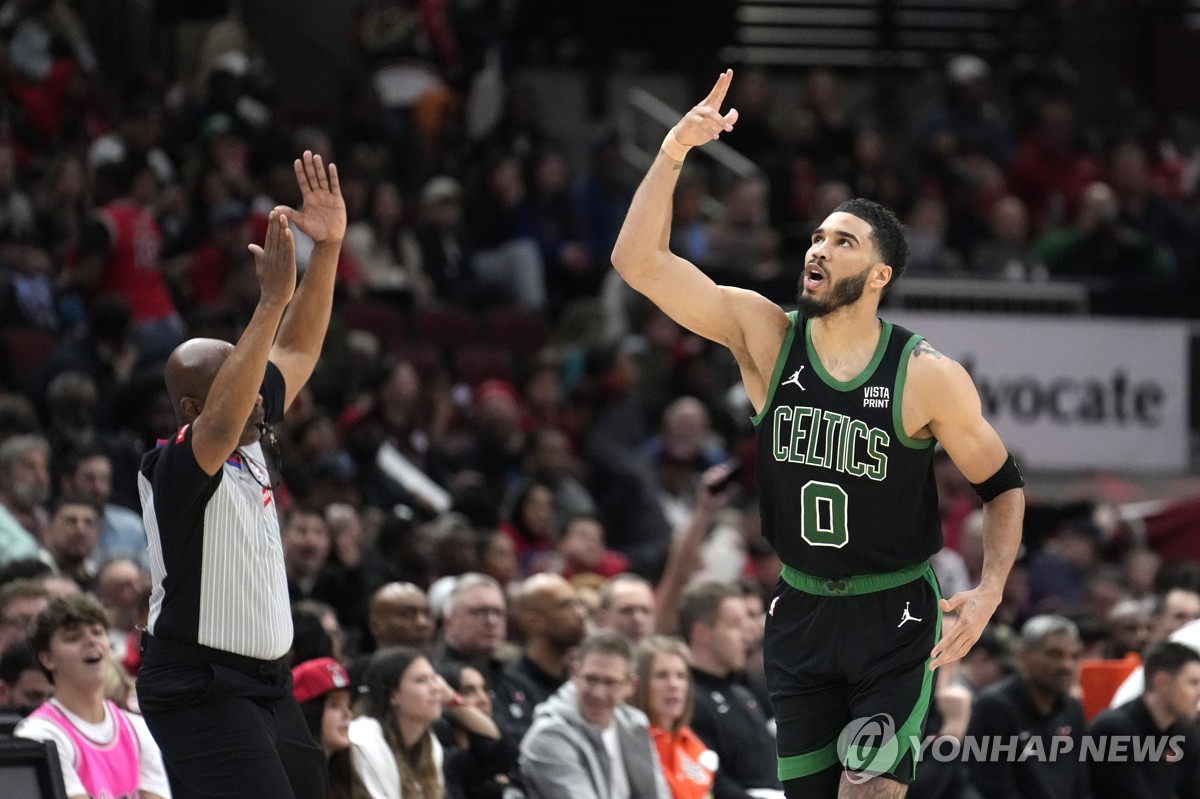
907,616
794,379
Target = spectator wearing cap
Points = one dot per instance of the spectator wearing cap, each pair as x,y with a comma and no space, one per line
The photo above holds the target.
990,660
322,689
445,251
968,119
496,438
333,479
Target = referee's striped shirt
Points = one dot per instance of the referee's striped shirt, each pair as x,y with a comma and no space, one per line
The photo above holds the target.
215,555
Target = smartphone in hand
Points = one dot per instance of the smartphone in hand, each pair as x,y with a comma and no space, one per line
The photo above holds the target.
735,467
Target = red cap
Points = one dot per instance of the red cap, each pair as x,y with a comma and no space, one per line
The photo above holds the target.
490,389
315,678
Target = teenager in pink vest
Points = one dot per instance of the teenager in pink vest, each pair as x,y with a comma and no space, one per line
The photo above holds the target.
105,752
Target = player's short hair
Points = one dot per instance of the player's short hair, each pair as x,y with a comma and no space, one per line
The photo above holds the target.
887,232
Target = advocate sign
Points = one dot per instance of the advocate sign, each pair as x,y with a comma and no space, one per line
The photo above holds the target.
1073,394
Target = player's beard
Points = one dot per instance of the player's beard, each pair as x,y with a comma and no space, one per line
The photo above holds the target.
844,292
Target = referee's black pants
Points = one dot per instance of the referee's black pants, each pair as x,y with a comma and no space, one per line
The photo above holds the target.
228,726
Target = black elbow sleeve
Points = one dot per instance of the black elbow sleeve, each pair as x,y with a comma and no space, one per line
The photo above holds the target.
1008,476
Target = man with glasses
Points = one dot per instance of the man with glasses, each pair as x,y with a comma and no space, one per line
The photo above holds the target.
585,742
474,629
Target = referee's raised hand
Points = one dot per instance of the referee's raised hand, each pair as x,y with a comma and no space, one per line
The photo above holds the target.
322,216
275,263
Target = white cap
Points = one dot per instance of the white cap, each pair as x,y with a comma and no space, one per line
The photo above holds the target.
967,68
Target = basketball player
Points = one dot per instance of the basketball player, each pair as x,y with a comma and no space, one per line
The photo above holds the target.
848,409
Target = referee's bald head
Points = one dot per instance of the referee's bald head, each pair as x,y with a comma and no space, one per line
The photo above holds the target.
190,371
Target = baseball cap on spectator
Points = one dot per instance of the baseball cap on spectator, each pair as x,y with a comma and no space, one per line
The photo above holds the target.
313,679
334,467
999,642
492,389
967,68
440,189
235,62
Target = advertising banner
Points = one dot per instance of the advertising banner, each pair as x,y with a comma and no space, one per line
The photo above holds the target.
1067,393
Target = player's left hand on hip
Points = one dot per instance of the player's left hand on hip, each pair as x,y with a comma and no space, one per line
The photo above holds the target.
973,609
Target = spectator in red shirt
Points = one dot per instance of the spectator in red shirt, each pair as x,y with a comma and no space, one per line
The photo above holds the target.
583,550
120,251
1051,171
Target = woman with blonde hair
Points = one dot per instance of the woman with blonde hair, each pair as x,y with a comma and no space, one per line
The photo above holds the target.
664,693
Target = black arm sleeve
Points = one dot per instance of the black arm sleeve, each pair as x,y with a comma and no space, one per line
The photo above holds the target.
273,392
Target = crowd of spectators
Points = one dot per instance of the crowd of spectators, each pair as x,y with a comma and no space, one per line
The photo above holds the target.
490,402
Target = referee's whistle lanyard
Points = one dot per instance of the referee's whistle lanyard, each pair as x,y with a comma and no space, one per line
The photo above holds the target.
268,434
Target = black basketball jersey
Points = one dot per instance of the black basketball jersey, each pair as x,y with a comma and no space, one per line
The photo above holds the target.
842,490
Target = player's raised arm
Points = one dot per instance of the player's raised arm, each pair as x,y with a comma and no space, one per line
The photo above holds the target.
948,398
741,320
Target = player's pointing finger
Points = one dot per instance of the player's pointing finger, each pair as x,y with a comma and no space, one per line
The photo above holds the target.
717,95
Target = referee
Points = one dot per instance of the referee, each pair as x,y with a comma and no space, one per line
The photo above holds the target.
213,687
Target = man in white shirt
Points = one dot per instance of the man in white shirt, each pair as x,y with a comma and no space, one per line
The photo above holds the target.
585,742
